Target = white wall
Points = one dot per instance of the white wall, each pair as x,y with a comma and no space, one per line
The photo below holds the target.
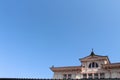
58,75
114,73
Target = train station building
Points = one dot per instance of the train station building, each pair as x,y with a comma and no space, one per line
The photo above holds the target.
92,66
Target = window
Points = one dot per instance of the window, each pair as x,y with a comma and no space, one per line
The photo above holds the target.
64,76
93,65
90,65
84,76
96,65
96,76
69,76
90,76
102,75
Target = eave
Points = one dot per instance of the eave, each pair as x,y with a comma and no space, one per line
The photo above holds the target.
66,69
111,66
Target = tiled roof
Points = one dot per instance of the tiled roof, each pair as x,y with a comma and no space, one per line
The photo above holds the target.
112,65
93,54
55,79
66,68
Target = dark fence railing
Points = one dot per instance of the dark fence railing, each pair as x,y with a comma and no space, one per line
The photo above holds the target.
55,79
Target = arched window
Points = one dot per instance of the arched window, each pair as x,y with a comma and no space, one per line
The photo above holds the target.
93,65
96,65
90,65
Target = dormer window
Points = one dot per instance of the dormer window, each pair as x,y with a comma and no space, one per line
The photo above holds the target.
93,65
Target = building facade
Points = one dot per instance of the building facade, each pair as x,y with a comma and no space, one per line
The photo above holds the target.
92,66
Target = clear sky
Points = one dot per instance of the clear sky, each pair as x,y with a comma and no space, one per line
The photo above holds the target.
36,34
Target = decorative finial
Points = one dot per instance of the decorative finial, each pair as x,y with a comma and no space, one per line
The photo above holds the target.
92,53
92,49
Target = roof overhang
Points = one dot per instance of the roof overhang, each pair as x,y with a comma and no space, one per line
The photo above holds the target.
111,66
95,58
66,69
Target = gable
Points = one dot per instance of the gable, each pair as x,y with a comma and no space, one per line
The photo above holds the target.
94,57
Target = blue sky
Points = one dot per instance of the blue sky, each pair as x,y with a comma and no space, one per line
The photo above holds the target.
36,34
